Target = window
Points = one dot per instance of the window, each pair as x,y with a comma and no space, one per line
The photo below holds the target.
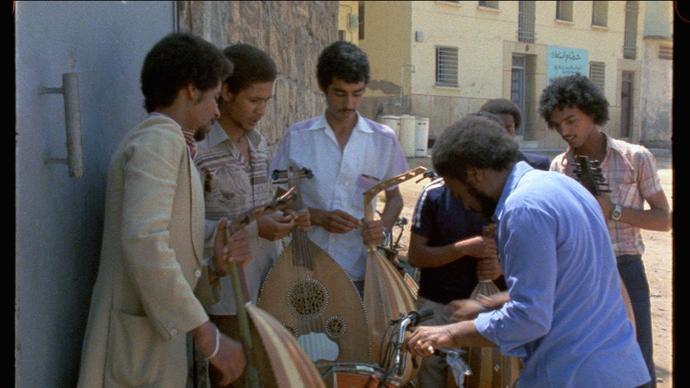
665,51
489,4
526,21
564,10
361,20
630,39
341,34
597,73
600,10
447,66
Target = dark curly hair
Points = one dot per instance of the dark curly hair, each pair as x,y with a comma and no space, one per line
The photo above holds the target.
489,115
502,106
473,141
251,65
343,60
574,91
177,60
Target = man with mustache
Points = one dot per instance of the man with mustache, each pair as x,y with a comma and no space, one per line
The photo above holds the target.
234,160
576,108
564,313
348,154
153,278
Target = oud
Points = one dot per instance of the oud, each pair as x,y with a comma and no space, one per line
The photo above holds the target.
273,357
312,296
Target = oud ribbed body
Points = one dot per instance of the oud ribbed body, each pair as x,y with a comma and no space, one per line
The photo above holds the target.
315,300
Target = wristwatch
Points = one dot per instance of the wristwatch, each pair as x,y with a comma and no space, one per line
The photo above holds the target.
617,212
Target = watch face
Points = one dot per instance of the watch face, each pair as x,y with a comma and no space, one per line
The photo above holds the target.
616,213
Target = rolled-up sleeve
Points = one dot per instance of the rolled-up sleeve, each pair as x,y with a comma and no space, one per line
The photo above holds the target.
527,245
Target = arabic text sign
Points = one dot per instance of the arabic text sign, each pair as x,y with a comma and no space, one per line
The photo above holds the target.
563,61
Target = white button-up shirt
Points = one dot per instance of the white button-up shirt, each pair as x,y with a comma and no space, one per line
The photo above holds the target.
372,154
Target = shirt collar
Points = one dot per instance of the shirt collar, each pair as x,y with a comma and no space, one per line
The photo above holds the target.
611,145
518,171
321,123
218,135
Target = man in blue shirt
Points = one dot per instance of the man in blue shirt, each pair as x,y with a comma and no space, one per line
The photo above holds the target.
564,313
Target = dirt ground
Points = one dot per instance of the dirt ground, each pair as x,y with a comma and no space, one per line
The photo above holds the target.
657,258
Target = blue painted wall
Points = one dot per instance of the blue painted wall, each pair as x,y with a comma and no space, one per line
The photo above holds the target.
59,219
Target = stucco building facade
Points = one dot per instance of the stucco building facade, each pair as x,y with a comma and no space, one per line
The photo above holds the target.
444,59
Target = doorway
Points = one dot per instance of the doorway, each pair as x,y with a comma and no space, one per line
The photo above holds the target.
627,103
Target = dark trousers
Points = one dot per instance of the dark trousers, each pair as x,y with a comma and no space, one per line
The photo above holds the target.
632,272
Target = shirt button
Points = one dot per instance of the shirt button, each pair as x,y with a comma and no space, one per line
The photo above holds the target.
197,273
173,332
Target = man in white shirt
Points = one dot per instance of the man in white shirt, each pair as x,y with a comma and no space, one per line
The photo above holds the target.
348,154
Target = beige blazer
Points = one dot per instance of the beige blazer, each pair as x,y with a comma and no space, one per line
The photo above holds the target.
151,279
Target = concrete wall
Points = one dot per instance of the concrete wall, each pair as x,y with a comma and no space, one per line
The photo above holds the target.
347,12
293,33
657,100
387,37
486,40
657,77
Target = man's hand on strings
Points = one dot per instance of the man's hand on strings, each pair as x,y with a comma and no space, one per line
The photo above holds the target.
302,218
275,226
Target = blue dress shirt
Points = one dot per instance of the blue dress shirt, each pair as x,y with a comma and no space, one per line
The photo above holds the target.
566,316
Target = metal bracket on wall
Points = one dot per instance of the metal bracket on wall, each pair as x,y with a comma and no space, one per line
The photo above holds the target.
70,92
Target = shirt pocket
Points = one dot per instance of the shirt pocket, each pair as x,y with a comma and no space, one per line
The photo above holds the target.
363,183
135,349
228,190
627,192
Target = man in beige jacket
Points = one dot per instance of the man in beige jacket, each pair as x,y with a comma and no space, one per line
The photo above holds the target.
153,279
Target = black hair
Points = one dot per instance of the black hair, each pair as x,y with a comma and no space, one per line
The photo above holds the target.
574,91
492,116
342,60
251,65
502,106
176,61
473,141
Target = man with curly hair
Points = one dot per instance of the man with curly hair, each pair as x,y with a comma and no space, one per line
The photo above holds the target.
555,253
577,109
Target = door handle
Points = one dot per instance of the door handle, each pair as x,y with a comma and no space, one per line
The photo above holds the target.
70,92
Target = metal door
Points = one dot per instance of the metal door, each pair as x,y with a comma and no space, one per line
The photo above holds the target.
59,218
626,103
517,88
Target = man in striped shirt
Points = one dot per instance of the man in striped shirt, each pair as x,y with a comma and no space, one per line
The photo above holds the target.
233,161
576,108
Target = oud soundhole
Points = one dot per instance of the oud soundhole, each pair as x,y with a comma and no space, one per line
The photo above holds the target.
308,297
335,326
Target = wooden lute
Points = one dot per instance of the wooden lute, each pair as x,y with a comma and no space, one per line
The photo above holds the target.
312,296
273,357
386,296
